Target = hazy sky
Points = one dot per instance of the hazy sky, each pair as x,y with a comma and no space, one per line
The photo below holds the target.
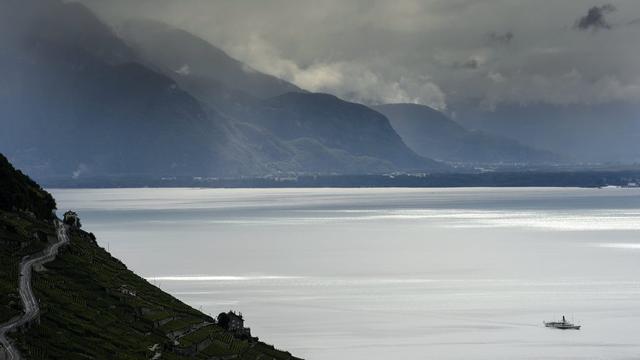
435,52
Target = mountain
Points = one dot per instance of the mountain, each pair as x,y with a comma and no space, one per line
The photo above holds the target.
91,305
75,102
301,132
308,118
431,133
584,133
202,65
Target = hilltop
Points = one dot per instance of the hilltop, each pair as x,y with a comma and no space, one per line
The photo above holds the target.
19,193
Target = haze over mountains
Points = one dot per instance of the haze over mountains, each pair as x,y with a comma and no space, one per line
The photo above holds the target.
429,131
79,98
196,61
594,133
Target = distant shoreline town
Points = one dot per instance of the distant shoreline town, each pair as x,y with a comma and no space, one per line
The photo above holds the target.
542,178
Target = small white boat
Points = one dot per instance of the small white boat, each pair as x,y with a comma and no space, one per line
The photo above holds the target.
562,325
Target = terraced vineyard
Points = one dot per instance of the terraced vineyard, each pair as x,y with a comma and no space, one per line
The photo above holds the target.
91,305
20,234
94,307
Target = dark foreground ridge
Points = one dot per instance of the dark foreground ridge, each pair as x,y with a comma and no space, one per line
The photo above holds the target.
88,305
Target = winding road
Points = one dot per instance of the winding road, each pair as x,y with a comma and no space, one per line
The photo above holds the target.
29,301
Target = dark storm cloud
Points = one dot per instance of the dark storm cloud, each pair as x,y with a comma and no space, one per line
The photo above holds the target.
500,39
596,18
470,64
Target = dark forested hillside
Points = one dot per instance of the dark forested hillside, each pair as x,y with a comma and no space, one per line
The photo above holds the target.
19,193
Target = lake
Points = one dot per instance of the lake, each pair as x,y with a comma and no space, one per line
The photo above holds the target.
391,273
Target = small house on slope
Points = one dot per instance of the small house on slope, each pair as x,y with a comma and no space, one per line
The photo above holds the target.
234,322
72,219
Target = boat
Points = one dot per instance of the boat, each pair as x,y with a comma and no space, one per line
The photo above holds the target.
562,325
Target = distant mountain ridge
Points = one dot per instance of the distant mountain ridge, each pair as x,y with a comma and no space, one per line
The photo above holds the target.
339,124
584,133
299,128
79,101
428,131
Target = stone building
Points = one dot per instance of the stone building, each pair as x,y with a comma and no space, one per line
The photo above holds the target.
72,219
234,322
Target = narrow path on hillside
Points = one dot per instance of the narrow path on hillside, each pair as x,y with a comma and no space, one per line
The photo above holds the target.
29,301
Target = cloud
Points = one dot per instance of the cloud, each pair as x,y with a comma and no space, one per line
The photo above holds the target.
500,39
572,87
595,18
82,168
473,62
436,52
350,80
184,70
496,77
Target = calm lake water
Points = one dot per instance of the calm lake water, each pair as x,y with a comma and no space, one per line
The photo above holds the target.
391,273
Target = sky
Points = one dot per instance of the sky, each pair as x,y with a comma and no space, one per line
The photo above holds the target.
440,53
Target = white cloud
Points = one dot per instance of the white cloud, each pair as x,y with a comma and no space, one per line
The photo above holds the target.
572,87
496,77
82,168
352,81
184,70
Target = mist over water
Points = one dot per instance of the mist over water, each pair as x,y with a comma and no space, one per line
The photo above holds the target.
391,273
